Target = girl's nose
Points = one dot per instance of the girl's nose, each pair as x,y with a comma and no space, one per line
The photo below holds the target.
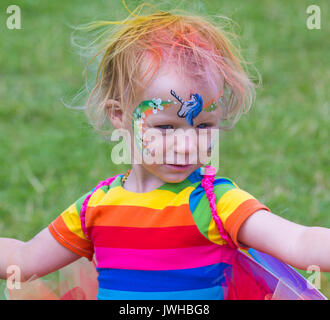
185,144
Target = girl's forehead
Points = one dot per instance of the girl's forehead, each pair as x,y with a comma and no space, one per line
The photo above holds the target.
169,78
179,93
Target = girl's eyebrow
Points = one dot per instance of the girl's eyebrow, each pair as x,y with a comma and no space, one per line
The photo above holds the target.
164,117
169,100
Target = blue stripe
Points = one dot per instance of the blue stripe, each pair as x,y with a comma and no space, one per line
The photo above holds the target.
195,197
195,176
197,194
222,181
163,280
214,293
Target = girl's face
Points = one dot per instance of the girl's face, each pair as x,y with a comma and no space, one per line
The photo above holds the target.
174,124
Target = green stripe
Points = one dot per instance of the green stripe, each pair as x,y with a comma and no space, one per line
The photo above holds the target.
221,189
167,186
177,187
80,201
116,182
202,214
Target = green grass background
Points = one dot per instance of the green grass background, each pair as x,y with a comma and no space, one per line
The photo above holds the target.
50,156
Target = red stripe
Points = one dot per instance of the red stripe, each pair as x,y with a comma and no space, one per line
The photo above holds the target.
147,238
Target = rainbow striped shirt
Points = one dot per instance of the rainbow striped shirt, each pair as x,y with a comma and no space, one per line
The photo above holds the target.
162,244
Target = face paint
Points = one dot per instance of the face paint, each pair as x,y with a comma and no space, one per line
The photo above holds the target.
137,124
189,109
140,113
212,106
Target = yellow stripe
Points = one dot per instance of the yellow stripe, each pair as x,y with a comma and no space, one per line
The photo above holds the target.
72,220
96,197
156,199
229,202
213,234
225,207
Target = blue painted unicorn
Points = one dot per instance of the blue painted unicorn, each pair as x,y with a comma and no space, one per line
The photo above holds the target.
189,109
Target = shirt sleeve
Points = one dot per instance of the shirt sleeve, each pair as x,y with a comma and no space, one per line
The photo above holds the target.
234,206
66,229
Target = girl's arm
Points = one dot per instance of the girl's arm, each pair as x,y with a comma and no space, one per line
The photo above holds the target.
297,245
37,257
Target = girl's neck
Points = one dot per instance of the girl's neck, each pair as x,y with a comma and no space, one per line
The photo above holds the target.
140,180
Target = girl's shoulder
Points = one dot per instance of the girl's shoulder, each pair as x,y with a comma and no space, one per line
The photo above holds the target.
218,180
225,187
196,178
95,195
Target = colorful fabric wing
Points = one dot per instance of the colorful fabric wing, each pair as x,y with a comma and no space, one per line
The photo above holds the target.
290,285
257,276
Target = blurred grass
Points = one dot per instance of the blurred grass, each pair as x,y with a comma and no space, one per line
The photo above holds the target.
49,155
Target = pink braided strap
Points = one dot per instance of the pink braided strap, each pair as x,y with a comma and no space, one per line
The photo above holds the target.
83,210
207,184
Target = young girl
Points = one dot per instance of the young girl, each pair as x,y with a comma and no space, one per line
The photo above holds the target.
167,229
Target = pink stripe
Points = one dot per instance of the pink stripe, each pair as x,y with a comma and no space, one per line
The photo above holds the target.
162,259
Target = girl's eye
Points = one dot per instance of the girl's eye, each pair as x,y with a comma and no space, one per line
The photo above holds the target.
165,126
203,125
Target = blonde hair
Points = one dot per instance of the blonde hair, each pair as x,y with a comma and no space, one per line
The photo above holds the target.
196,44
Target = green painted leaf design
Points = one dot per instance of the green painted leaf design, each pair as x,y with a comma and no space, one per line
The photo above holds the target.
211,107
144,105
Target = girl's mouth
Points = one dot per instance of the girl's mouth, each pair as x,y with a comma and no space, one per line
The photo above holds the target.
179,167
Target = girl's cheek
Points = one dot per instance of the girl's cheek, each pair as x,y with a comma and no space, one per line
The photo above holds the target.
138,135
167,149
153,145
207,139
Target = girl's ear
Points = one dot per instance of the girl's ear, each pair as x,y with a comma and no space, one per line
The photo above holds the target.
115,113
